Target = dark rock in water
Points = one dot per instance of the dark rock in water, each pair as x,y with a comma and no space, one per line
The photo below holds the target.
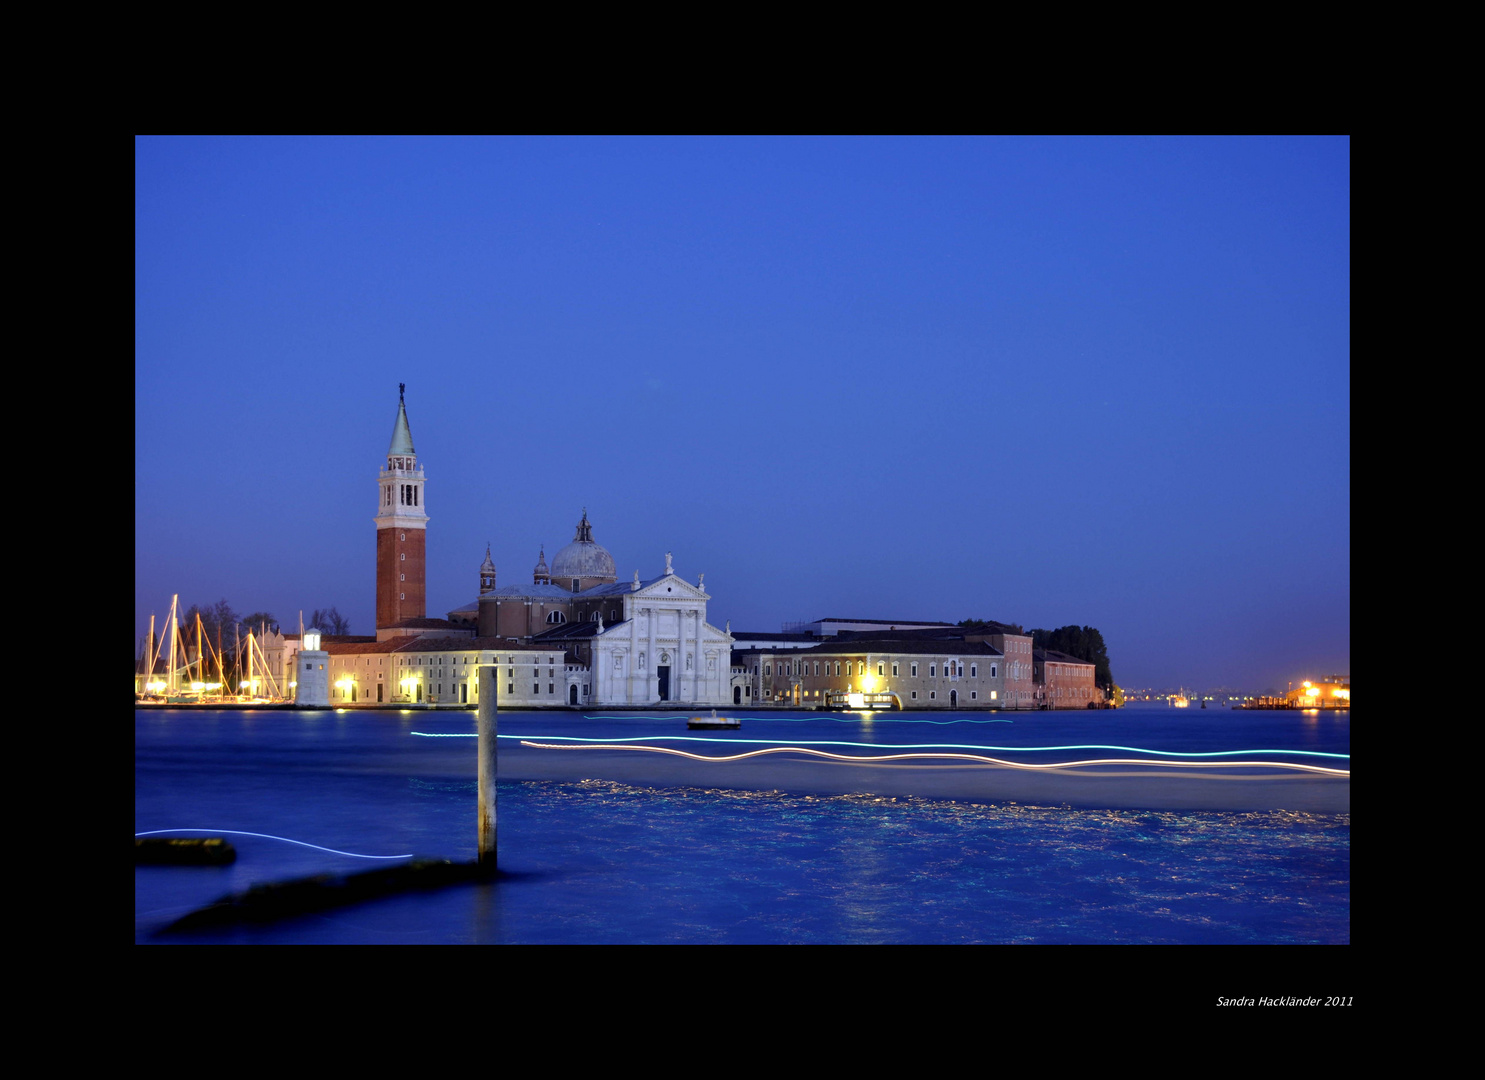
180,851
264,903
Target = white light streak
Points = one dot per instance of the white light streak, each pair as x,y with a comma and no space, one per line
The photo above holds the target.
979,758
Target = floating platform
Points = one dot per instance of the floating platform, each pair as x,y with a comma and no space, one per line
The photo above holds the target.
183,851
713,722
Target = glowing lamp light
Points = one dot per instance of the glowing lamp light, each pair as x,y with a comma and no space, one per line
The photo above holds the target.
312,641
1313,691
198,686
154,687
856,701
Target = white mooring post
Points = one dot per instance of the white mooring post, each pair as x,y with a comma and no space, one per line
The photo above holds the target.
488,727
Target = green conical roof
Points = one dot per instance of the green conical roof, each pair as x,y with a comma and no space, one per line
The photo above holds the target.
401,433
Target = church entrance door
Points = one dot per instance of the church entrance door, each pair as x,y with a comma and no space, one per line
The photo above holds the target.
663,671
737,695
572,694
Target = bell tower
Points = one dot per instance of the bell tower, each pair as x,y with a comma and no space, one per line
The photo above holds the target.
401,529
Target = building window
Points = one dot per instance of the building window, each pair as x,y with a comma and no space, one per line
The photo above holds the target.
915,675
933,695
894,671
915,695
973,696
932,670
881,669
974,670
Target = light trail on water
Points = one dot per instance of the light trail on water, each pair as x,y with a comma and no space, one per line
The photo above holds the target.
855,759
897,746
268,836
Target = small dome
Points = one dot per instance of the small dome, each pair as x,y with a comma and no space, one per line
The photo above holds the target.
583,558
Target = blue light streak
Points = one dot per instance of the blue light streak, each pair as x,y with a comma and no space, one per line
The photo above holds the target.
266,836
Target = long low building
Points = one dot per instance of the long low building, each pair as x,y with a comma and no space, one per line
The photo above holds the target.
920,673
445,671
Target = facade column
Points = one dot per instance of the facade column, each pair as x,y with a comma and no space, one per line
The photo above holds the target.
652,681
699,681
633,664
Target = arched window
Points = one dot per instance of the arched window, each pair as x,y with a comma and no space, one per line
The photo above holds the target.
556,617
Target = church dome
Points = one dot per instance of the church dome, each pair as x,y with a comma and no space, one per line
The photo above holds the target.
583,559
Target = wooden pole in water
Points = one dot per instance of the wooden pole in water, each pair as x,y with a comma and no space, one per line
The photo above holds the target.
488,727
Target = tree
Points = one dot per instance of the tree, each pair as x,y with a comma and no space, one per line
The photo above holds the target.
1084,642
258,619
330,621
989,626
218,618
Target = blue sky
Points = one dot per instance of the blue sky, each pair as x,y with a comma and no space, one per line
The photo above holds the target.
1046,381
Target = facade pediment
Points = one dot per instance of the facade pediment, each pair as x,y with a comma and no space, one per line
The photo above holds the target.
670,587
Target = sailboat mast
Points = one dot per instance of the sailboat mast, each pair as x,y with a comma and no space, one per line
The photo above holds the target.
221,671
200,653
174,635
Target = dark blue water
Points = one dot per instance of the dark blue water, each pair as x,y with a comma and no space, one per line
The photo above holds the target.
595,858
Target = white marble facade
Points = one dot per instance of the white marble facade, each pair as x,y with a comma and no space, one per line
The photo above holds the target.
664,650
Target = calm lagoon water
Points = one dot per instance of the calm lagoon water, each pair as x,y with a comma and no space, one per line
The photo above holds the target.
611,846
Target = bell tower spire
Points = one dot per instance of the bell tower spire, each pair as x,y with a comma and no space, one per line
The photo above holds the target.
487,573
401,529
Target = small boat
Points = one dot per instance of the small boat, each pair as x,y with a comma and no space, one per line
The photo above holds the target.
714,721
